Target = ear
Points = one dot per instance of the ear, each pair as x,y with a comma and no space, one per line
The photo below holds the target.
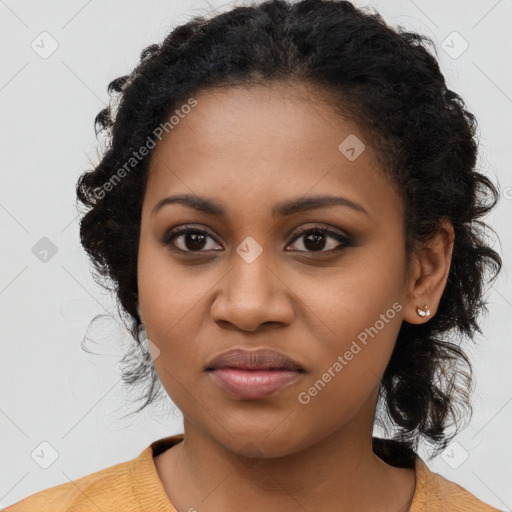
429,273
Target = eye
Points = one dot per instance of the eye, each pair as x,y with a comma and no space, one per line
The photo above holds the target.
192,240
314,239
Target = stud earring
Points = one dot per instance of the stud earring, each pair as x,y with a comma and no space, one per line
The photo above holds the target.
421,312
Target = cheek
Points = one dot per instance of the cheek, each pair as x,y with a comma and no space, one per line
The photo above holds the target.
180,362
349,368
360,295
356,315
174,307
168,291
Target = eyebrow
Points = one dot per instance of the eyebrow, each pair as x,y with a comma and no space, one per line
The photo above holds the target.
289,207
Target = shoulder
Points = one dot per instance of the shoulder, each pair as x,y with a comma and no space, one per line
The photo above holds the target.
435,492
105,488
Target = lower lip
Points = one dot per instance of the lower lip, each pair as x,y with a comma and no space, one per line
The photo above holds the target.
253,384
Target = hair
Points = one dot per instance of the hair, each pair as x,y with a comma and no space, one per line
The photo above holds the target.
391,86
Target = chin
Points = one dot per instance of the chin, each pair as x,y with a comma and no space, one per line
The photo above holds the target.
265,443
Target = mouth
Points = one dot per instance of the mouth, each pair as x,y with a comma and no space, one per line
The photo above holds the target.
253,384
261,359
256,374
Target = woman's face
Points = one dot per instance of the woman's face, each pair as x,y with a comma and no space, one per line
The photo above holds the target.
252,281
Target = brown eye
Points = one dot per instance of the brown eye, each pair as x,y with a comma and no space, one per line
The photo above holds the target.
191,240
316,240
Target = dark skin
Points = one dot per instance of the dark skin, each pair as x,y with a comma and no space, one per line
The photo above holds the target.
248,149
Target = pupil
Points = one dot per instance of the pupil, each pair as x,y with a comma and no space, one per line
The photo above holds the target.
196,239
316,238
312,241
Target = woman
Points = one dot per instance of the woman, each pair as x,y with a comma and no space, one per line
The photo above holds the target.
287,209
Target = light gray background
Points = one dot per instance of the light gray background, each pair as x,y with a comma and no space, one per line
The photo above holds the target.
51,390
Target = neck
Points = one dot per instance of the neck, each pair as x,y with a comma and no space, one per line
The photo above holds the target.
339,473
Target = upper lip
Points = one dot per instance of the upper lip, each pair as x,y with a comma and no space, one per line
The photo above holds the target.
260,359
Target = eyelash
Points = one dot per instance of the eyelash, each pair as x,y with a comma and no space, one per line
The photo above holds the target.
175,233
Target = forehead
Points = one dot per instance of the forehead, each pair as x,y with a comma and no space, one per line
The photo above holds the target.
255,144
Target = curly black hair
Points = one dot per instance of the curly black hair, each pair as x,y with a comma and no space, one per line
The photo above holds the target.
383,79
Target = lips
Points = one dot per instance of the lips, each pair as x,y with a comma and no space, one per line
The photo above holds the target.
253,374
261,359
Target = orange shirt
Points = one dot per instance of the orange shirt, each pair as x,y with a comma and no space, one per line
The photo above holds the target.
134,486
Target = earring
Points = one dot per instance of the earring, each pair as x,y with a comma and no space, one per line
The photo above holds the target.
421,312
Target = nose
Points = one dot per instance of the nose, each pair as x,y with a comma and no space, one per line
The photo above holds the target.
252,295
